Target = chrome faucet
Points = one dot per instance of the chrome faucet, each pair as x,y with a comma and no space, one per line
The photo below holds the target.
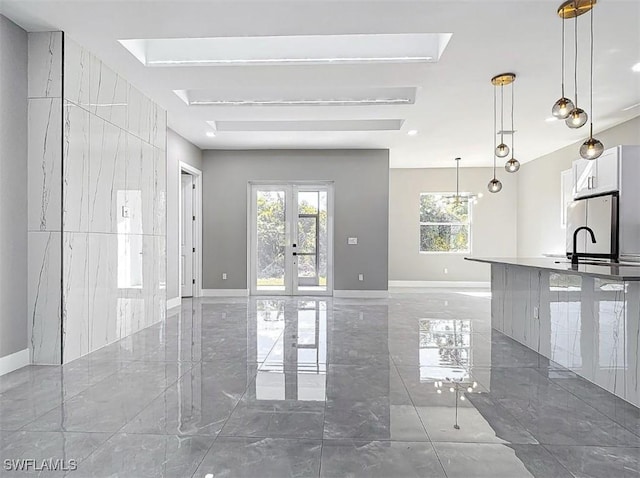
574,254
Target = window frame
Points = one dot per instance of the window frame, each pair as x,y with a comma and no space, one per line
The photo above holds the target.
470,198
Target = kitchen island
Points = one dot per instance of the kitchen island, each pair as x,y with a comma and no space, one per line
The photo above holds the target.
584,318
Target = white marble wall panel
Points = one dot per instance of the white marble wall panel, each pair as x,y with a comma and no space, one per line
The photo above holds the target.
108,94
131,196
134,282
160,279
103,289
44,281
97,179
45,65
77,67
75,298
134,110
160,192
159,127
151,270
107,159
75,169
44,164
147,187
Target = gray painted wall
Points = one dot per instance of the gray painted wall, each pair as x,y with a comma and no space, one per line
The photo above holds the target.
539,229
178,149
361,195
13,184
493,229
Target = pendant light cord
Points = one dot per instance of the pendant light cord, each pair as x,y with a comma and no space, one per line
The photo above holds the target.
494,134
575,58
591,77
513,130
501,113
562,67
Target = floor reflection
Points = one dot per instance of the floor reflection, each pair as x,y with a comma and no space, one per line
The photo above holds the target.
284,386
291,345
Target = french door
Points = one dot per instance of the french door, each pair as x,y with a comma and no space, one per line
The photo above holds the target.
291,239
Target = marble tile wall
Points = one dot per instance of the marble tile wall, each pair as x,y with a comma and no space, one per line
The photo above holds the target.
44,185
121,195
97,166
586,324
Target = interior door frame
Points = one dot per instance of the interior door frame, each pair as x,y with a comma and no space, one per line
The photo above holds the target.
290,228
197,236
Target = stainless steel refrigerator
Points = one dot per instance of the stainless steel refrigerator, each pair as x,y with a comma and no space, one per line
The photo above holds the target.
600,214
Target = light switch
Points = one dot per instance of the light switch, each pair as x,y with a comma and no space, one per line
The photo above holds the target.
360,276
352,241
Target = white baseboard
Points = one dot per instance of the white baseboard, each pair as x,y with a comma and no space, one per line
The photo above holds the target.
440,283
225,292
361,294
12,362
175,302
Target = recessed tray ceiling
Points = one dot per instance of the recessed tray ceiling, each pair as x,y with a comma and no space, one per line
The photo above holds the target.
309,125
298,49
339,96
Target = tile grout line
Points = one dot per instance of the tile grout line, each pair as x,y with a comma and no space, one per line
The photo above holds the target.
433,447
125,424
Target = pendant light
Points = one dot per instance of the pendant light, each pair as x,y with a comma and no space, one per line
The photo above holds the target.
564,105
591,148
513,165
573,9
495,185
502,151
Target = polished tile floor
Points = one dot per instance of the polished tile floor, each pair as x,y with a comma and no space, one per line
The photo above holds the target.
296,387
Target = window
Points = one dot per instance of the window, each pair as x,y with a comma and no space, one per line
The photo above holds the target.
445,224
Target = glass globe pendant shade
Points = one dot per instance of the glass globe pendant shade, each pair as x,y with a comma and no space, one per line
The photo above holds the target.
577,118
562,108
512,165
502,150
494,186
591,148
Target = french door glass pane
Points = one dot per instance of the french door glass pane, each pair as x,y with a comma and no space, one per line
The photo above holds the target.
312,238
271,240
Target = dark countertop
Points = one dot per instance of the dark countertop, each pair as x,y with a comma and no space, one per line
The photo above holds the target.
622,272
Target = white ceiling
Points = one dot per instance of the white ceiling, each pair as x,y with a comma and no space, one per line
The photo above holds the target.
453,98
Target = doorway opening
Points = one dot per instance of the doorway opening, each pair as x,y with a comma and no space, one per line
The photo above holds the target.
190,211
290,249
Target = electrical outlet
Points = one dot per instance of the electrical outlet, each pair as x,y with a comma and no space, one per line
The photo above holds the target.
352,241
536,313
360,276
224,276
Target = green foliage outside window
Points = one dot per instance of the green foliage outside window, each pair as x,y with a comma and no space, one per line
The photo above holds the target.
444,223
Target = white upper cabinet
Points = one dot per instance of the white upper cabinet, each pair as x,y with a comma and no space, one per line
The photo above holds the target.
597,176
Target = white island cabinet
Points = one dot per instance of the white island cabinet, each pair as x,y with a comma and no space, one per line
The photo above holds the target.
585,319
